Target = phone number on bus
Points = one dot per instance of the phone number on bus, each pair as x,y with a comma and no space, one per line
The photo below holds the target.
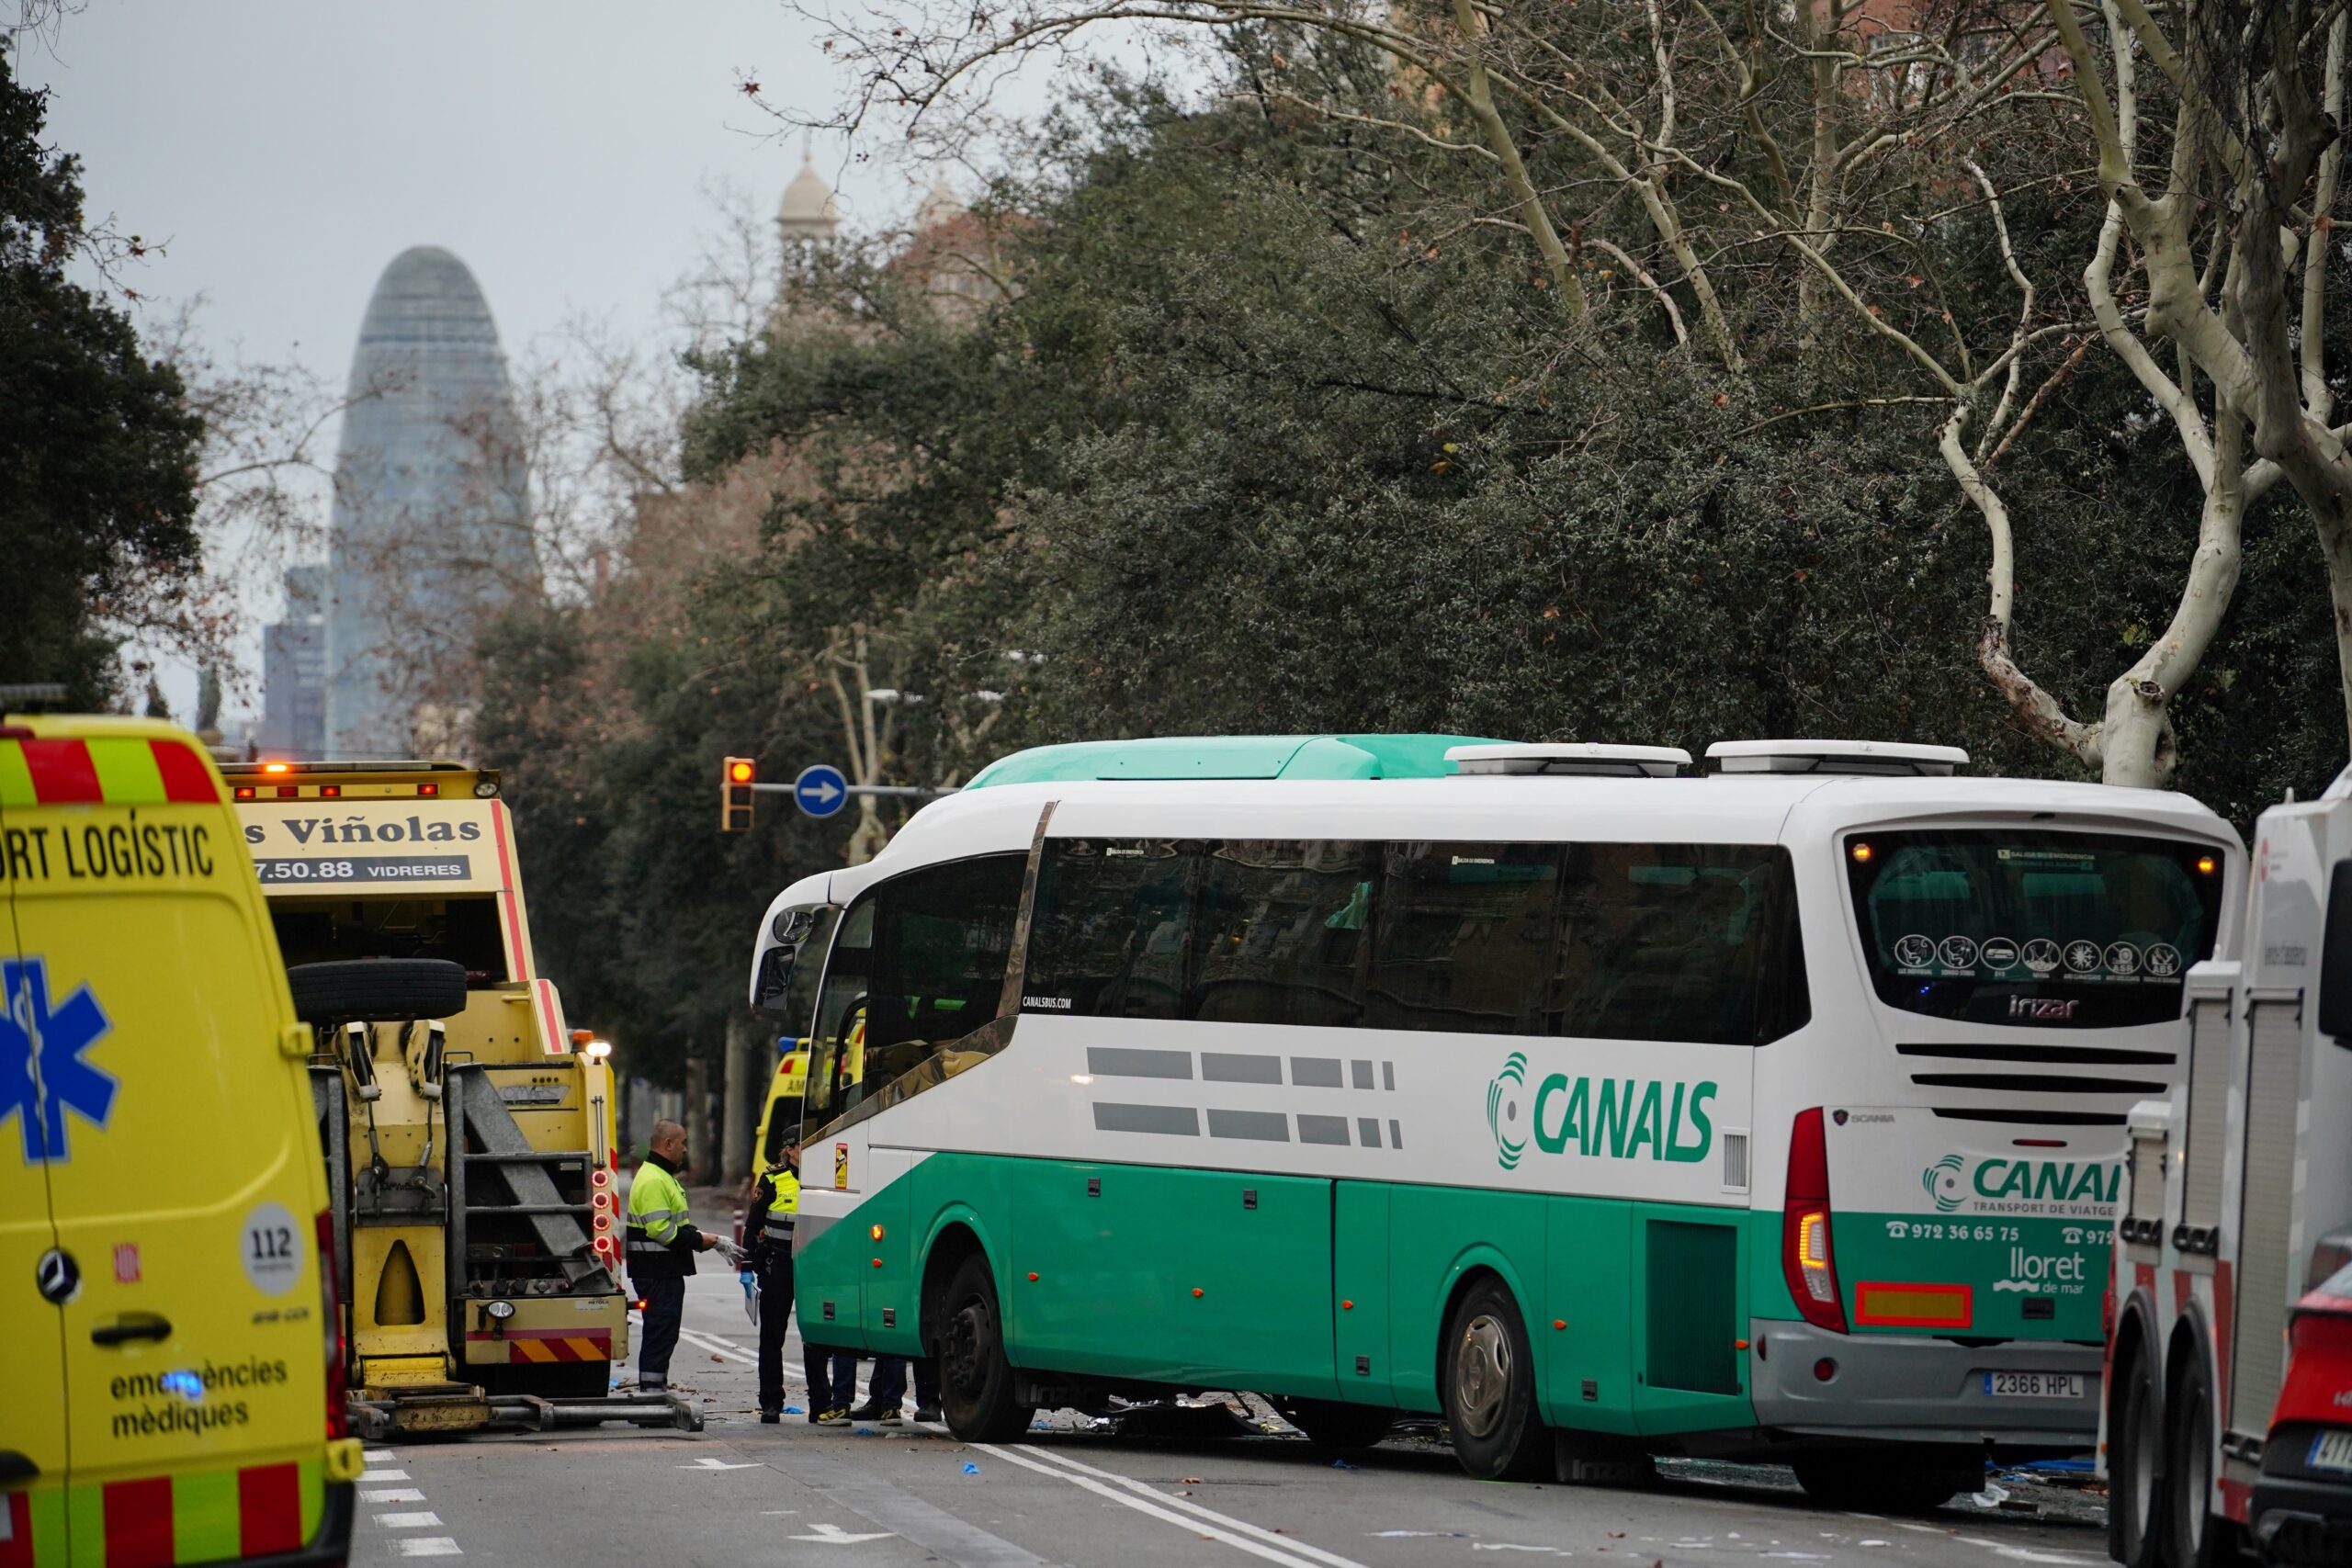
369,868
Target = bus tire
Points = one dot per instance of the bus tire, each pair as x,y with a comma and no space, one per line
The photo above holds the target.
1486,1379
976,1385
1331,1424
2137,1503
2197,1539
1873,1481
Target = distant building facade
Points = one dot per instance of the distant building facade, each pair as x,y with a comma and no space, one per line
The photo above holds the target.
294,672
430,531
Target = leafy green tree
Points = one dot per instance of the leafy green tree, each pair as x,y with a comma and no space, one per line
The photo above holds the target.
98,487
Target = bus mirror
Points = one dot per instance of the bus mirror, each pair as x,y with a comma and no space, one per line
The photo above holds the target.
775,977
2335,958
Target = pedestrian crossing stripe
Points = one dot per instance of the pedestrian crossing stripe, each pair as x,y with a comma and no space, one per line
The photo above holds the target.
103,770
202,1516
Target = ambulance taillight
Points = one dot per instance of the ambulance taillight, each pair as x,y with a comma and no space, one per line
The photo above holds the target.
331,1312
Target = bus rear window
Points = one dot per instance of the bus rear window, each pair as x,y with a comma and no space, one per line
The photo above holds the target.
2047,929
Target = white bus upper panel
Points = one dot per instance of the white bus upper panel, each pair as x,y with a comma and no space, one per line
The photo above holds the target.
1758,809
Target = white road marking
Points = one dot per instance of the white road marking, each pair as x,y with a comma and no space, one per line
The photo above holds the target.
408,1521
719,1464
717,1346
426,1546
377,1456
833,1535
383,1475
1237,1533
2023,1554
1288,1543
393,1495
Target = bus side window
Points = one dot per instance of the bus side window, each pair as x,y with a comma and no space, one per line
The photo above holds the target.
836,1048
1280,934
1112,928
1463,937
1678,942
941,939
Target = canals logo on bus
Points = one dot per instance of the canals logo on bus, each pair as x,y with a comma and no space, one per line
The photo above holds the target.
2023,1186
1598,1118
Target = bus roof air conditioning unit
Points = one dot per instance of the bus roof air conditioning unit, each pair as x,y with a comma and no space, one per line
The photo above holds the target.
1880,758
1581,757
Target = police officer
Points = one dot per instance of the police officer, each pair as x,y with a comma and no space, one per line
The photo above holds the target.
660,1251
767,1233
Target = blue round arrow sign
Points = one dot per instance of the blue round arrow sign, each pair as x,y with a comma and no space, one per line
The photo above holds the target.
820,790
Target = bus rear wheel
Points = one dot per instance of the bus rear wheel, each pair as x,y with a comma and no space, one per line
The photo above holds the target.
2136,1504
976,1391
1329,1424
1487,1382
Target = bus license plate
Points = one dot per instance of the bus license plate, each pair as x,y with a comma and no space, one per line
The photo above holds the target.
2332,1450
2034,1386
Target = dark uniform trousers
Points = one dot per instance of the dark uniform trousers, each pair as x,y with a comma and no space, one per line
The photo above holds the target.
774,1268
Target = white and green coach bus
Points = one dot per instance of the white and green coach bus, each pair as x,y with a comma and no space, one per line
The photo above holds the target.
1606,1108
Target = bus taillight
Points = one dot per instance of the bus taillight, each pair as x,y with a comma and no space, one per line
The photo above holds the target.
1806,1260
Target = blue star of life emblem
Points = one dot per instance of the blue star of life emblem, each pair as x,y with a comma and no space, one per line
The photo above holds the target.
43,1074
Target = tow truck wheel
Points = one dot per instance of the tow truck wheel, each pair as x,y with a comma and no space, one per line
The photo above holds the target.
2200,1539
1487,1382
2136,1504
975,1378
1875,1482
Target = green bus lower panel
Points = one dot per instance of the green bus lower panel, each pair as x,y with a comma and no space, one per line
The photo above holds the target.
889,1307
1692,1307
1694,1322
1173,1276
829,1285
1289,1285
1583,1327
1360,1327
1438,1235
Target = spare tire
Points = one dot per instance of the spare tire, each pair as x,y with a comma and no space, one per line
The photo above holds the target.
377,991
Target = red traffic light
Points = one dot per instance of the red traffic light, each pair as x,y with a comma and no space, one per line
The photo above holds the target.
736,776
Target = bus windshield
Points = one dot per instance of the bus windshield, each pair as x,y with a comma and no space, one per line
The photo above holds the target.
2035,929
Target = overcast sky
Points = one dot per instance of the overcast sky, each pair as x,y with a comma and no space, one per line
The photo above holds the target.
284,150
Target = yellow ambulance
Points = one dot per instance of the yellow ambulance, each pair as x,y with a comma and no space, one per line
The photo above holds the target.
175,1386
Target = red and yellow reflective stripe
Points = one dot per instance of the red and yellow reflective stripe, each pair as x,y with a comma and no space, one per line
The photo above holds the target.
103,770
203,1516
541,1346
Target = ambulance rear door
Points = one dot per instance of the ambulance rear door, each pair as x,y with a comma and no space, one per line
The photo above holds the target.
33,1273
183,1169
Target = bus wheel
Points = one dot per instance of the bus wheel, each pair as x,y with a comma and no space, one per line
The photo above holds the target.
1330,1423
2199,1540
1489,1384
2135,1509
975,1378
1876,1482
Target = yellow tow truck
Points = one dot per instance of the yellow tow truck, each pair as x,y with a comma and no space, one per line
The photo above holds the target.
467,1135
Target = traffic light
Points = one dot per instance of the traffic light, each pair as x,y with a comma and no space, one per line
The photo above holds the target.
736,776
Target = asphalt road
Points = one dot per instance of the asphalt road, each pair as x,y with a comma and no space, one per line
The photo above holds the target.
739,1492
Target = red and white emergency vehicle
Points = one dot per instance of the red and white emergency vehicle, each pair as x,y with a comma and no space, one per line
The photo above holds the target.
2237,1202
